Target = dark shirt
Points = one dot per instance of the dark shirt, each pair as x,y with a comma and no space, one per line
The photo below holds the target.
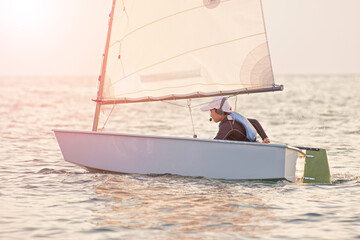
235,131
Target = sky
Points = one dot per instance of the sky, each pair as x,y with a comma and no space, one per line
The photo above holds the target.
67,37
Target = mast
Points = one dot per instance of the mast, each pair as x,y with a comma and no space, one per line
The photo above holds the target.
103,72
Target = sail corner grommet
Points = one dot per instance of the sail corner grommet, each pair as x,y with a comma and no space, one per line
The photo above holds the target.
211,3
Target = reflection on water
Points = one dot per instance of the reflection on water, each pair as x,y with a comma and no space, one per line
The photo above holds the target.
42,196
178,204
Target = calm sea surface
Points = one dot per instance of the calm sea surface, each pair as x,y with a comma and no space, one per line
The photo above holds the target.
42,196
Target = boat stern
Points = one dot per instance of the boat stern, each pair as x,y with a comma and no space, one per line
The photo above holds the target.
294,170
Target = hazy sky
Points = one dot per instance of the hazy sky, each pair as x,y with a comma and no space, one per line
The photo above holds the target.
67,37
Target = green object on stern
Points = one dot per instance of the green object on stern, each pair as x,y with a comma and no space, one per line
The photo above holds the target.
316,167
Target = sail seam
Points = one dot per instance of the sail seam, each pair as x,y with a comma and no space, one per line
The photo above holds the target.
187,52
159,20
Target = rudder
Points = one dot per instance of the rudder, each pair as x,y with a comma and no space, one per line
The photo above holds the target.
316,167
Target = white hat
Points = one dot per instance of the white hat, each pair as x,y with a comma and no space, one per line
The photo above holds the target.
215,104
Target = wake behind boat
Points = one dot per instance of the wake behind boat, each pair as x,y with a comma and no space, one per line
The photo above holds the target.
184,50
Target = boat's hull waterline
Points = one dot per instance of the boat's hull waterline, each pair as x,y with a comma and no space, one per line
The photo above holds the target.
128,153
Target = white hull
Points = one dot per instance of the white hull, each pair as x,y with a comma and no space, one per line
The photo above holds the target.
183,156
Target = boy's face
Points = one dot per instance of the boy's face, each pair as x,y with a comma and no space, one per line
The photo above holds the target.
216,117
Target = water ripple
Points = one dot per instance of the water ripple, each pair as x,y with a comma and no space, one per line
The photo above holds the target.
42,196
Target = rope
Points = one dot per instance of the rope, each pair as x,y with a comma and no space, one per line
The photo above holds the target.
192,122
235,107
178,105
188,106
108,117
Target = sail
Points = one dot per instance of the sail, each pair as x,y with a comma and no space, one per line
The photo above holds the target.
172,49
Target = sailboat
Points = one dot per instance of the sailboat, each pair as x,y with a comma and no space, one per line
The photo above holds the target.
166,50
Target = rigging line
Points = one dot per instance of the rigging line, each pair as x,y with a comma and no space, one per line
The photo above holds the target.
192,122
189,107
159,20
108,116
179,105
124,8
207,102
175,104
201,104
192,107
195,106
187,52
235,107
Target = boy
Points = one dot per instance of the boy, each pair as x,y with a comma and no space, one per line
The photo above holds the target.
233,126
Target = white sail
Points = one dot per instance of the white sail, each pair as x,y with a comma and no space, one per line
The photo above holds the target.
162,49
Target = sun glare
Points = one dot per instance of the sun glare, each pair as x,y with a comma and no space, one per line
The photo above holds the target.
27,14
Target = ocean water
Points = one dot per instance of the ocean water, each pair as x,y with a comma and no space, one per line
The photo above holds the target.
42,196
